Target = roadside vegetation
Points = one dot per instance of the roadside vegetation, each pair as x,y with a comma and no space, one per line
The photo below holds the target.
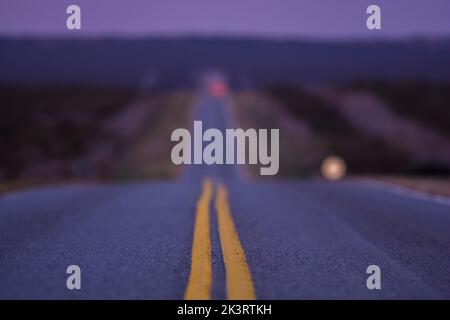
426,103
70,134
37,125
311,130
149,156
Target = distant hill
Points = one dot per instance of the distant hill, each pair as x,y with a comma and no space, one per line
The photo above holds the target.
247,62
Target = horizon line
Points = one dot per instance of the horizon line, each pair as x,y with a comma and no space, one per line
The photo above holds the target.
76,35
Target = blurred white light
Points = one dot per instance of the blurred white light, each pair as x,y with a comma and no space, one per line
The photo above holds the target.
333,168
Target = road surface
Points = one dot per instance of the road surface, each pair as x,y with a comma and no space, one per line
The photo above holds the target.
215,234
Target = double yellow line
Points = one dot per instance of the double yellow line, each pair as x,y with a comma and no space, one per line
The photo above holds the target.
238,277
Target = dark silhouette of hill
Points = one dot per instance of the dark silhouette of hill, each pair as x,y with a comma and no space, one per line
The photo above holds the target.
247,62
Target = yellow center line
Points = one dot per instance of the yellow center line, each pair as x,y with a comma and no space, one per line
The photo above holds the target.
238,276
200,278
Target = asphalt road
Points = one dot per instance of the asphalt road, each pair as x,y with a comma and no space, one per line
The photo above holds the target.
269,240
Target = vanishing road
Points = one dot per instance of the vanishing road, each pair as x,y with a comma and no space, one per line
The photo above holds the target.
214,234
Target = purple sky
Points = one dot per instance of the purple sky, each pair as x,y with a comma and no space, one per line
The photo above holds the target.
274,18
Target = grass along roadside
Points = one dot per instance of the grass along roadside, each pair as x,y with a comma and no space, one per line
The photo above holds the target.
119,136
149,156
311,131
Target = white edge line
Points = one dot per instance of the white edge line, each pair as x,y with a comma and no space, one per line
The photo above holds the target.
406,192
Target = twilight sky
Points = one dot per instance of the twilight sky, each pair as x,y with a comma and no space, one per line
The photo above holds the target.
274,18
